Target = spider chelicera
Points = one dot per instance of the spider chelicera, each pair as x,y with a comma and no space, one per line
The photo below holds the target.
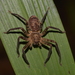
34,35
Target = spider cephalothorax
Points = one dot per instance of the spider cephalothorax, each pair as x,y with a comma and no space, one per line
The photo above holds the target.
34,35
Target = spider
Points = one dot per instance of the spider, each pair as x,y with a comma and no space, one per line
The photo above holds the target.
34,35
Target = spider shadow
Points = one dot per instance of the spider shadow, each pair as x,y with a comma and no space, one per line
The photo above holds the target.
46,47
17,32
52,31
24,43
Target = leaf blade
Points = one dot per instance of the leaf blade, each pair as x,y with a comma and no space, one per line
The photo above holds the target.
35,57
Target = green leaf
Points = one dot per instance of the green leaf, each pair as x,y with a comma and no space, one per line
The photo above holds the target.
36,56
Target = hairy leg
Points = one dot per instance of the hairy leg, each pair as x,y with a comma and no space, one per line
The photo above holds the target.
44,17
23,20
56,47
24,54
46,29
17,29
18,42
49,53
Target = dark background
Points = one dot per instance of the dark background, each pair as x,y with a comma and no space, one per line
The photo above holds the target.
66,9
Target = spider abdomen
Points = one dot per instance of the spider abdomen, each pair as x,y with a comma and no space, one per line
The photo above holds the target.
34,24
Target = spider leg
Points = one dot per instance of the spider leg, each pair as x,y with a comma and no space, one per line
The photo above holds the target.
19,17
56,47
49,53
57,50
18,43
46,29
16,29
24,54
44,17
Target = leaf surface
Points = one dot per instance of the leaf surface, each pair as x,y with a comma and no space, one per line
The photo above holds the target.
36,56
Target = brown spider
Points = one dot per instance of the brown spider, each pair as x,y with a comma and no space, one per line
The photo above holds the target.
34,35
